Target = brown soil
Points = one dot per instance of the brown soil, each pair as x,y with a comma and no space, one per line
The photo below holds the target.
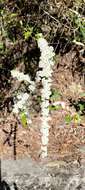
66,142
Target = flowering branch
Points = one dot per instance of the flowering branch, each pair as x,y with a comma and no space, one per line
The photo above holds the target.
22,97
45,73
20,76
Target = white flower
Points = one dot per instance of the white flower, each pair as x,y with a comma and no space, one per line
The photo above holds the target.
46,72
15,109
46,63
20,76
45,94
23,97
44,151
45,139
42,43
45,103
45,124
19,96
20,104
32,86
45,112
29,121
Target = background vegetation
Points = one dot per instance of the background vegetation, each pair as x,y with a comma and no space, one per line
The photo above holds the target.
61,22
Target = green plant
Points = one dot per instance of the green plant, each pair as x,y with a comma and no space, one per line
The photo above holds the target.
78,23
1,46
55,108
68,118
76,118
39,99
28,32
23,119
57,59
81,107
55,95
82,95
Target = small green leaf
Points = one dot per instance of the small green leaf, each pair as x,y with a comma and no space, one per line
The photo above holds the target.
52,108
82,94
1,46
81,106
55,95
38,35
39,99
82,31
28,32
0,66
23,118
76,118
13,15
68,119
55,108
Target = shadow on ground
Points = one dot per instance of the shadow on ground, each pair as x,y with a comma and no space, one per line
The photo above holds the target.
4,185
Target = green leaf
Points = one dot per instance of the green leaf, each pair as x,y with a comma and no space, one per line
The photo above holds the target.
82,94
81,106
38,35
13,15
55,108
68,119
76,118
39,99
1,46
55,95
0,66
23,118
82,31
28,33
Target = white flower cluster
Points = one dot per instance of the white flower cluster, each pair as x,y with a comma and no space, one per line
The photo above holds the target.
45,64
44,75
23,77
46,59
22,99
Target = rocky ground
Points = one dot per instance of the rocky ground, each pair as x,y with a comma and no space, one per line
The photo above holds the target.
25,174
